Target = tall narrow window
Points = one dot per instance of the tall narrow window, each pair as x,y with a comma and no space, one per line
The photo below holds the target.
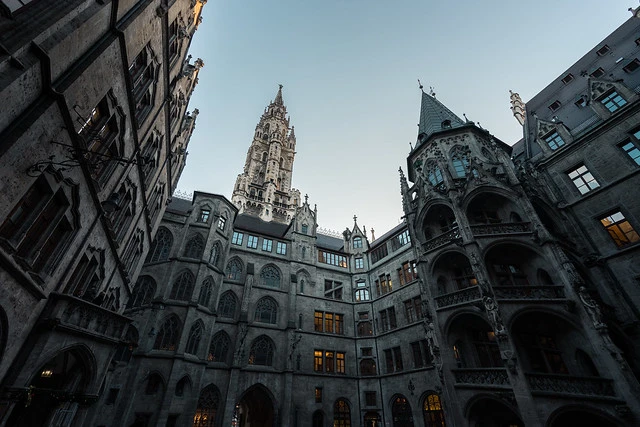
168,335
261,352
459,161
207,409
182,287
195,334
174,45
270,277
41,225
143,292
357,242
219,348
227,305
205,292
432,411
341,414
234,269
620,230
237,238
266,310
143,72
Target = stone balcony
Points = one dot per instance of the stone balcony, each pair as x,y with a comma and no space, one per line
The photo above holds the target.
483,377
565,385
529,293
441,240
75,314
457,298
500,228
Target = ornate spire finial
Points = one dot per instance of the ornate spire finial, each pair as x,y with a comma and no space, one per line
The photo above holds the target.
373,235
355,219
306,199
420,85
278,100
431,91
518,107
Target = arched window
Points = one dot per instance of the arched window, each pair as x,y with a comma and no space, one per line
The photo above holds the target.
161,246
317,419
182,287
194,247
168,335
432,411
434,173
357,242
215,253
143,292
207,408
270,276
341,414
183,386
266,310
125,350
205,292
261,352
227,305
401,411
195,334
264,156
154,384
219,348
234,269
460,162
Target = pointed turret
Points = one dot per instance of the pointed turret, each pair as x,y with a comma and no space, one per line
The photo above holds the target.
435,117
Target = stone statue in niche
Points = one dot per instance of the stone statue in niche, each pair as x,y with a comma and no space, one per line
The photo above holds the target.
491,307
432,339
592,307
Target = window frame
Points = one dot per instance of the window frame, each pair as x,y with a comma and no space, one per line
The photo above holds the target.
631,236
237,238
580,175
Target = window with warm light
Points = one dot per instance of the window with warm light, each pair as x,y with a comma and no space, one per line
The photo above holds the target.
621,231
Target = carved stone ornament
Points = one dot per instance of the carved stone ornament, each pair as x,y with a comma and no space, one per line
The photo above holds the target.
591,306
491,307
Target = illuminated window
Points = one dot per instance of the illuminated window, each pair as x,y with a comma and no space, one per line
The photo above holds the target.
620,230
384,284
554,141
359,263
204,215
408,273
583,179
221,223
329,361
341,414
613,101
318,394
332,323
432,411
331,258
362,292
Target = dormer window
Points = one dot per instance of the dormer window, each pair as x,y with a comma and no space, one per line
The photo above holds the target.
357,242
612,101
204,215
554,141
305,228
446,124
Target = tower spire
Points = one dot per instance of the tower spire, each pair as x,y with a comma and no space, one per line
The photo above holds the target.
278,100
434,116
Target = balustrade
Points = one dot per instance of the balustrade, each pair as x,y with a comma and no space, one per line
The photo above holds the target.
500,228
442,239
79,314
567,384
482,376
529,292
458,297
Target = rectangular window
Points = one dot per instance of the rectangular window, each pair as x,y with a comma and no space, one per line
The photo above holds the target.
142,72
597,73
99,133
408,273
332,258
583,179
413,309
204,215
388,319
317,321
332,289
400,240
613,101
388,359
318,394
237,238
252,241
357,242
370,398
554,141
632,66
328,322
267,245
339,324
317,361
222,221
281,248
603,50
620,230
384,284
421,353
393,360
379,253
397,357
174,46
555,106
340,363
329,357
566,79
359,263
632,151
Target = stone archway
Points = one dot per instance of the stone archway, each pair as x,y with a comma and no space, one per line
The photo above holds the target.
55,390
401,411
255,408
487,412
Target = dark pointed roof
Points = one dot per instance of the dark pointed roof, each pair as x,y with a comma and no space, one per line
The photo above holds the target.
433,115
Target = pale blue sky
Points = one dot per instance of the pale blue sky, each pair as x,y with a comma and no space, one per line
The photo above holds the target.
349,70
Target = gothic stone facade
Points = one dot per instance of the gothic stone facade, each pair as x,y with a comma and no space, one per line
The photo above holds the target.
94,130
